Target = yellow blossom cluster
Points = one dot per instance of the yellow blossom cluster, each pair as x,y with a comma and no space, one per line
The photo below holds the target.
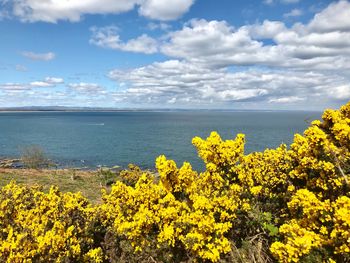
39,227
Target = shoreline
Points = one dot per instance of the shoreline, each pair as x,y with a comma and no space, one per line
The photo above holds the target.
17,164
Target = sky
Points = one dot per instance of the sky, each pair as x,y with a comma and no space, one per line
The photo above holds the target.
191,54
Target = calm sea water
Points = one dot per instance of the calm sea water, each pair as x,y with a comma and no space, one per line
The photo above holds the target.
118,138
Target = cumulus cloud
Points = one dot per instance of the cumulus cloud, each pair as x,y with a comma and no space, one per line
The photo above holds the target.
55,10
341,92
293,13
108,37
164,10
41,84
54,80
52,11
48,82
334,18
216,41
160,26
266,30
39,56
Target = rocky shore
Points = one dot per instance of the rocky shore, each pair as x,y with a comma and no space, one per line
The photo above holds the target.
11,163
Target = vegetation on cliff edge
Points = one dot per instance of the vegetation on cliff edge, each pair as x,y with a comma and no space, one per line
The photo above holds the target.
289,204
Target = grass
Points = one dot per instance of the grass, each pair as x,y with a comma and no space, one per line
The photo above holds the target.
89,183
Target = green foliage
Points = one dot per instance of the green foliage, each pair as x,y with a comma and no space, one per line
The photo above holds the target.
106,176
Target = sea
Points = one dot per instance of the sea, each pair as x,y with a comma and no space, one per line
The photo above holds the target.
94,139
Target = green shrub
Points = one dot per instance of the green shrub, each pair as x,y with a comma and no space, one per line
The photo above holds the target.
34,157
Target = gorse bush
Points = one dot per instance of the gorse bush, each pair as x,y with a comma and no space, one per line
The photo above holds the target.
39,227
289,204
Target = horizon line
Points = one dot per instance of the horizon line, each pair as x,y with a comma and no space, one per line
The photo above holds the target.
113,109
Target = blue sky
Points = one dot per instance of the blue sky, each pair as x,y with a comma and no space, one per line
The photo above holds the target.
261,54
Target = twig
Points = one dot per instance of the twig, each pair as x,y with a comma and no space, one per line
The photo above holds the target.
152,259
337,161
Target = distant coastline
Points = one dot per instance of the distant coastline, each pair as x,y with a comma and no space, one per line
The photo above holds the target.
93,109
65,109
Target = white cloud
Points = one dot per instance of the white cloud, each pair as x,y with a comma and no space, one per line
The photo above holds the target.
41,84
161,26
290,99
75,94
27,87
87,88
268,2
48,82
210,42
293,13
191,85
266,30
73,10
271,2
54,80
141,44
52,11
39,56
336,17
290,1
164,10
14,87
108,37
341,92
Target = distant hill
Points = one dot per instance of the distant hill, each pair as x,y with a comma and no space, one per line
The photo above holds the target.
63,108
56,108
100,109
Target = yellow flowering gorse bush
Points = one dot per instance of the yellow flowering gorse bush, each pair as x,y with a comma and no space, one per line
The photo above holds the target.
39,227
